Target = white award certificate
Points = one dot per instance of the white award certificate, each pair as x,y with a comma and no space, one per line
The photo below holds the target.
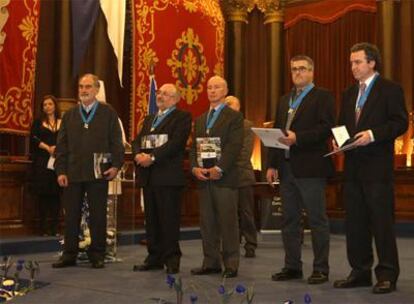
270,137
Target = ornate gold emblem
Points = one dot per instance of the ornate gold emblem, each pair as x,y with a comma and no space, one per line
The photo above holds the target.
188,65
4,15
144,35
16,104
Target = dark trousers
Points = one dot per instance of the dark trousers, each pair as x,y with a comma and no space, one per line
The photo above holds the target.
73,196
370,214
49,206
308,194
162,224
246,217
219,226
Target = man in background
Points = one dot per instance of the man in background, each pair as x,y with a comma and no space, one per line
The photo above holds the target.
247,179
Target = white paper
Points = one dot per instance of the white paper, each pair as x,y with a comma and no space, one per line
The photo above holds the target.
342,139
340,134
270,137
51,163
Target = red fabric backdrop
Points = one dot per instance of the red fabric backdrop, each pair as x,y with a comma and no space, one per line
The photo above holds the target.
328,43
326,11
19,28
185,40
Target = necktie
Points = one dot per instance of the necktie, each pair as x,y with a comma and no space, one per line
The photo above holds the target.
358,108
210,116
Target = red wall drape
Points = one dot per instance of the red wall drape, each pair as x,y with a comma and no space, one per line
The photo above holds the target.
328,45
17,65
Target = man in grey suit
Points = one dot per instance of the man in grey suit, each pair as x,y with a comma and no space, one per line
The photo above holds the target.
246,181
307,114
88,128
217,141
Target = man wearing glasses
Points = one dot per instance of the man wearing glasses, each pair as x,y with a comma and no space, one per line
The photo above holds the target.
306,114
159,154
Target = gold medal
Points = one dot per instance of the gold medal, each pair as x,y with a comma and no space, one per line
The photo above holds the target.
86,126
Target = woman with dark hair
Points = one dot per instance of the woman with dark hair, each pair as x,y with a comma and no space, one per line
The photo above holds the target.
43,143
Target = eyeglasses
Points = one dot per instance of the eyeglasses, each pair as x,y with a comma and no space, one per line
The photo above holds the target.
299,69
163,93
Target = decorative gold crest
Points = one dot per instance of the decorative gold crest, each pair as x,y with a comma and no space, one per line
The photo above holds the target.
188,65
4,15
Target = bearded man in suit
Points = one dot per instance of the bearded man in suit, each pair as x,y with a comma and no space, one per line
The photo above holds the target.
88,129
159,150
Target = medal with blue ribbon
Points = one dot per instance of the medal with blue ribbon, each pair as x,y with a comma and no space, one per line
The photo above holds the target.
159,118
294,104
363,98
85,120
210,121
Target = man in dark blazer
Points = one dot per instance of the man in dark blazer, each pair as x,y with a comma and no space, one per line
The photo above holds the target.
88,128
217,141
307,114
373,111
247,179
159,154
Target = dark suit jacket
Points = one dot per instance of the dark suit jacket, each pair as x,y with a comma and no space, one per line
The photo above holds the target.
229,127
244,164
76,145
385,114
312,124
167,170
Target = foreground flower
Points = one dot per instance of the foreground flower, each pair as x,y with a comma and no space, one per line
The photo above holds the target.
240,289
221,289
193,298
170,281
307,299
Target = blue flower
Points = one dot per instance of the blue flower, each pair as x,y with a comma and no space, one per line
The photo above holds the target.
307,299
193,298
20,262
170,280
221,289
240,289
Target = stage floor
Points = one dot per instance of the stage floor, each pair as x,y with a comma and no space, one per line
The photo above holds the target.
118,284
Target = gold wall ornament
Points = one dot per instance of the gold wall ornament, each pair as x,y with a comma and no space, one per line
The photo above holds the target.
4,15
188,65
237,10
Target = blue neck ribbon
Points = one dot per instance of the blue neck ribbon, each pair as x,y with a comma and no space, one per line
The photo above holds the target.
363,98
210,124
159,118
85,120
295,104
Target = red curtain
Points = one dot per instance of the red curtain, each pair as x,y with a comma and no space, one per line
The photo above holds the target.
328,45
185,40
18,45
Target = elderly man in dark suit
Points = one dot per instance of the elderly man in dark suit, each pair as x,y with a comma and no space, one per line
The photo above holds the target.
159,154
217,141
87,129
247,179
307,114
373,111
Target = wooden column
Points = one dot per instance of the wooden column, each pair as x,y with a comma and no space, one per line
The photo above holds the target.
387,34
235,13
274,16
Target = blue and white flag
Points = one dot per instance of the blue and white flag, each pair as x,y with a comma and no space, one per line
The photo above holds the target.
152,98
